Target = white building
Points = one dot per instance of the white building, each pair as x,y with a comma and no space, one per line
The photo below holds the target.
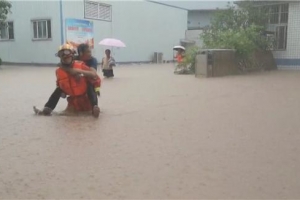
284,23
37,28
284,19
199,19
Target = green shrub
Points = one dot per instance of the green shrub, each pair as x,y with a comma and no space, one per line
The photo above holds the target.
190,58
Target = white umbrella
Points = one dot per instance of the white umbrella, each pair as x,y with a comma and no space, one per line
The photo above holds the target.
111,42
176,48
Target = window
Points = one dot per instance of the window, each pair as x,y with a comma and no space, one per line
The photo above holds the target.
274,14
96,10
281,37
278,13
7,31
284,14
41,29
278,18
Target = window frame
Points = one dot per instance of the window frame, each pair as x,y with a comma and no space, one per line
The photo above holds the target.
47,30
277,40
279,24
271,13
7,29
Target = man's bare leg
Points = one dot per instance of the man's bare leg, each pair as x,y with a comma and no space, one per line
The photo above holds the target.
92,95
96,111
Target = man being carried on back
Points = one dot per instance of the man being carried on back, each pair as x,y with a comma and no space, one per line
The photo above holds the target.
75,79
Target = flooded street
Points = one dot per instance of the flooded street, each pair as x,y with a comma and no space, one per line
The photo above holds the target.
159,135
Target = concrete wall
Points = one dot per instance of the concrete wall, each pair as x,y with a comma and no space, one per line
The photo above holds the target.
194,35
23,49
199,19
158,28
102,29
145,27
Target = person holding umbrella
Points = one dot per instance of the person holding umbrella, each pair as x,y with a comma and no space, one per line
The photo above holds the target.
108,62
180,53
179,57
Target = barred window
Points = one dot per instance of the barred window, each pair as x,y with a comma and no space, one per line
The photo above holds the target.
281,37
274,14
278,14
278,18
7,31
41,29
284,14
97,10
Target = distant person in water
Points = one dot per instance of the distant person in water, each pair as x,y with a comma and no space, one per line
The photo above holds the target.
107,64
179,60
179,56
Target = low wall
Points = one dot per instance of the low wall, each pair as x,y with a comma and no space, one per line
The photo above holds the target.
222,62
215,63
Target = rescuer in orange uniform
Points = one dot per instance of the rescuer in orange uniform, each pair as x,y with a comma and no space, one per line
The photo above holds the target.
73,78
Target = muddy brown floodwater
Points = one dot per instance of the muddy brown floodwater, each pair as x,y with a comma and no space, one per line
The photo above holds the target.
159,135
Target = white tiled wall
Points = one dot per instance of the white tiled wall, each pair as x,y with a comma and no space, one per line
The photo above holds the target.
293,38
287,67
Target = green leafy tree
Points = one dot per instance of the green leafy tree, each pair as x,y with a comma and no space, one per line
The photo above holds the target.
241,28
190,58
4,10
5,7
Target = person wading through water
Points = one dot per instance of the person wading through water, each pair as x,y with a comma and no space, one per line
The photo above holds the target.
107,64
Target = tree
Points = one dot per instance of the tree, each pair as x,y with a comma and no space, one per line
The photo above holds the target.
4,10
189,59
241,28
5,7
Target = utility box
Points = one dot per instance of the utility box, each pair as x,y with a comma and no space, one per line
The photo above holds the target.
158,57
216,63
